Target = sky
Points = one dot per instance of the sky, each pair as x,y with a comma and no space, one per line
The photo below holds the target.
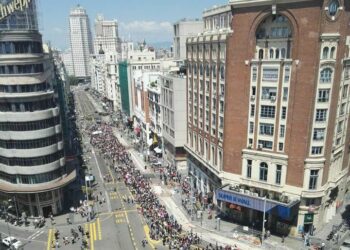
138,19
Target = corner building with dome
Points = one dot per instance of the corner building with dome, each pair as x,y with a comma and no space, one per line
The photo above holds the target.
33,171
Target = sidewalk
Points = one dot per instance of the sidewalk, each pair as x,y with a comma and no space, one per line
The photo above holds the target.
207,228
167,198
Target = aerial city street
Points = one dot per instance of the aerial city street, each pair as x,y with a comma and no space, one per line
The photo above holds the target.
188,125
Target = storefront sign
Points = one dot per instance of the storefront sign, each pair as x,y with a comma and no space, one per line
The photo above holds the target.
234,199
12,6
308,218
245,201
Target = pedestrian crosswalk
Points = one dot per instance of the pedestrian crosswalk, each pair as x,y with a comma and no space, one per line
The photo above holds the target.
93,229
35,235
113,195
120,218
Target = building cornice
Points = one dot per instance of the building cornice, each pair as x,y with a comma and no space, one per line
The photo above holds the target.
254,3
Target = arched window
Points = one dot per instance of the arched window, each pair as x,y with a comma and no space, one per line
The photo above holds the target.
195,69
263,171
222,72
277,54
325,53
261,54
201,69
207,70
332,53
214,70
283,53
271,53
326,75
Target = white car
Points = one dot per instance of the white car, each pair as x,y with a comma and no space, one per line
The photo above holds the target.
12,242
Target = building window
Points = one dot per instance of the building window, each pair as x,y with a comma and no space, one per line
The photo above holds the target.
251,127
266,129
326,75
271,54
270,74
286,74
267,111
265,144
284,113
280,146
340,127
325,53
261,54
250,142
207,70
313,179
285,94
323,95
316,150
222,72
282,131
278,174
283,53
263,171
318,134
332,56
277,54
253,90
201,69
345,91
342,109
249,168
252,110
268,93
254,74
214,70
321,115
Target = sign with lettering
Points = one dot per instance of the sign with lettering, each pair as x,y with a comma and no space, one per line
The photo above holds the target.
12,6
255,203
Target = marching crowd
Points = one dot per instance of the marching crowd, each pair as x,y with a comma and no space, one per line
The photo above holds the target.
162,226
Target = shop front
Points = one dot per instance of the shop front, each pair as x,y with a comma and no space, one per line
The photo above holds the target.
247,209
203,182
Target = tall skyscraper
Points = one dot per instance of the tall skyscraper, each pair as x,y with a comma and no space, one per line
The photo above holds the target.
282,141
106,35
32,157
80,41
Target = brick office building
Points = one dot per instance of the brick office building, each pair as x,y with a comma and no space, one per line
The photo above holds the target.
286,113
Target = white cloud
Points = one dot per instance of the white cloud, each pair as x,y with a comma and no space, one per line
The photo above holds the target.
150,30
146,26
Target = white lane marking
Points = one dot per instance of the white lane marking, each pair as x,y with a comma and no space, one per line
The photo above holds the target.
36,234
99,170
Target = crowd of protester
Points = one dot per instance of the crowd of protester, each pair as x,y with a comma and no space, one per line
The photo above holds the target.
163,226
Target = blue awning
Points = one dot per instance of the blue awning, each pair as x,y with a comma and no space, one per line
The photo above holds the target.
257,203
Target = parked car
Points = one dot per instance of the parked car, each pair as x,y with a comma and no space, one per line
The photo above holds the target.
345,245
12,242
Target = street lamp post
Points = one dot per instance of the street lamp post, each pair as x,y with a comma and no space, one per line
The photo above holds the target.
263,224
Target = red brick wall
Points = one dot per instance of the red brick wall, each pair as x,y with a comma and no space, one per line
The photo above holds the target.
306,21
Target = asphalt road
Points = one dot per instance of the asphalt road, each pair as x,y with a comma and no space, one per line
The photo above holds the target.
118,224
